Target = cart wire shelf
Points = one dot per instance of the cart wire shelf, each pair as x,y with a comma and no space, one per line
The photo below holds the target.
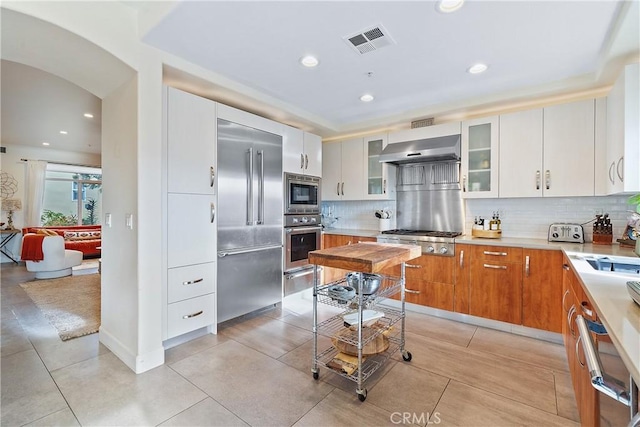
388,287
335,326
370,363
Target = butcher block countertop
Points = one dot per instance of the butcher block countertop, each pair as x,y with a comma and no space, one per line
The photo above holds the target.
367,257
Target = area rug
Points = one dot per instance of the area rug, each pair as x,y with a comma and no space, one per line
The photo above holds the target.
71,304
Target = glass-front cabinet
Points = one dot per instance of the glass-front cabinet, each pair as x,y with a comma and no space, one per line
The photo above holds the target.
480,157
379,177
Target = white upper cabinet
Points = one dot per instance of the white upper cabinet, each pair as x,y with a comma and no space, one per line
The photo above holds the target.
302,152
480,157
191,141
568,151
520,158
623,137
379,178
343,170
601,166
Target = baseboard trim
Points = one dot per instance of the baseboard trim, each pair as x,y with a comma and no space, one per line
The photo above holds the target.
137,363
553,337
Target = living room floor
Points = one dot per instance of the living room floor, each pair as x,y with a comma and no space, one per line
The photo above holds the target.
257,372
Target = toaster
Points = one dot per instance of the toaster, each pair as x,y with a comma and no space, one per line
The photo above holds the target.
563,232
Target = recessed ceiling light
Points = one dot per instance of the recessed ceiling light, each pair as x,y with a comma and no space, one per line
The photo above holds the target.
477,68
45,143
309,61
366,97
64,132
88,115
448,6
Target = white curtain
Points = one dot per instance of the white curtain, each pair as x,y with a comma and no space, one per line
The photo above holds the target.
36,170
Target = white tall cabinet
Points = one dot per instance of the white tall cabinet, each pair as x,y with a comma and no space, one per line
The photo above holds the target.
190,141
623,132
521,156
302,152
343,170
568,152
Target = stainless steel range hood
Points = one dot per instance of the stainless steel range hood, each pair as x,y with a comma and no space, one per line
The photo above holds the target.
422,150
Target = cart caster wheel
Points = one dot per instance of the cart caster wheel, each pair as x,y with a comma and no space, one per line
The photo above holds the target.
406,356
362,396
316,375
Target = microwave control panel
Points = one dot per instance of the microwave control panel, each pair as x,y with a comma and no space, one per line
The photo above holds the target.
571,233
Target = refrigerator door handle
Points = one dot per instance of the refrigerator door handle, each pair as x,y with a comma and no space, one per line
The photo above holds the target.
250,188
261,189
230,252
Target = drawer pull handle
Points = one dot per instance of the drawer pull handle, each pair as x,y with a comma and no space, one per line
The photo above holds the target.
572,311
212,174
537,180
189,316
577,352
526,266
495,253
412,265
565,267
411,291
191,282
564,297
499,267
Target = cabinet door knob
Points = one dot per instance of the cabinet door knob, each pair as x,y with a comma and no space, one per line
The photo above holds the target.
411,291
611,175
189,316
464,183
548,179
301,161
537,180
213,176
192,282
498,267
306,162
526,266
620,174
461,259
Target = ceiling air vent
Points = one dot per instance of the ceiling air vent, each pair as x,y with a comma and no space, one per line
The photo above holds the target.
422,123
370,39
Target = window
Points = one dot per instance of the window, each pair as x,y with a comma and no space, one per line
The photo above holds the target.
59,208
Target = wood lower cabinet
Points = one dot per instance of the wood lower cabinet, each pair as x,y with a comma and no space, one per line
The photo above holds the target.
542,289
430,281
333,240
495,286
573,301
462,276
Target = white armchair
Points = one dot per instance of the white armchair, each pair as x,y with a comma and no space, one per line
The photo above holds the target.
57,261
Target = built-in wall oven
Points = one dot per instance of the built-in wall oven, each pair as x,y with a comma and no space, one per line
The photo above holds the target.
302,234
302,194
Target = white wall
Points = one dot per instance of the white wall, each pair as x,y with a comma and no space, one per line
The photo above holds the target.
10,162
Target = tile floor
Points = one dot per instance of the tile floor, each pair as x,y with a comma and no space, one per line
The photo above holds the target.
257,372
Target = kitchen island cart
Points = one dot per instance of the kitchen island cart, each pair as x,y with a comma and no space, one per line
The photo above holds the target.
365,334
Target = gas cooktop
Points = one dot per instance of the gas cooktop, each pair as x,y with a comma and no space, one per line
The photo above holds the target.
425,233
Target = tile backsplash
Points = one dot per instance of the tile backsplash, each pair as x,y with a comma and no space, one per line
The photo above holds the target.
521,217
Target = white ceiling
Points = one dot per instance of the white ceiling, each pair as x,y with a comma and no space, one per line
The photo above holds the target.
533,49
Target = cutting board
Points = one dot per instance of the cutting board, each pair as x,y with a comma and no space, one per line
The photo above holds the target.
367,257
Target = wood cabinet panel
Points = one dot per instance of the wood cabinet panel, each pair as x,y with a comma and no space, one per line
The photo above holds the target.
462,275
496,290
542,289
433,277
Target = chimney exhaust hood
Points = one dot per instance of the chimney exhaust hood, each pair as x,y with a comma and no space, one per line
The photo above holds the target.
422,150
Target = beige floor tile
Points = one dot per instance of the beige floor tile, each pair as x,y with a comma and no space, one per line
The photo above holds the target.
565,396
305,320
192,347
255,387
463,405
267,335
205,413
58,354
408,389
64,418
104,391
301,357
28,392
507,377
529,350
440,329
13,338
344,409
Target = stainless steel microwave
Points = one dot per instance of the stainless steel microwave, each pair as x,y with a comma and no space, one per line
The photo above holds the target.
302,194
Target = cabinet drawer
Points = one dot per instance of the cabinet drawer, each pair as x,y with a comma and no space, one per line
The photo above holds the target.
498,254
190,281
191,314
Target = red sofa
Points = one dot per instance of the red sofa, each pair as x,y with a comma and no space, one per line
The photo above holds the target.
84,238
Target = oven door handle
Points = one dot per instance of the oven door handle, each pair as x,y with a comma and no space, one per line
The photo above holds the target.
301,273
303,229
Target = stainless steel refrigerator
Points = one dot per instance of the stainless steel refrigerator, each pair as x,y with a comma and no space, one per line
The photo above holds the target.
250,197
